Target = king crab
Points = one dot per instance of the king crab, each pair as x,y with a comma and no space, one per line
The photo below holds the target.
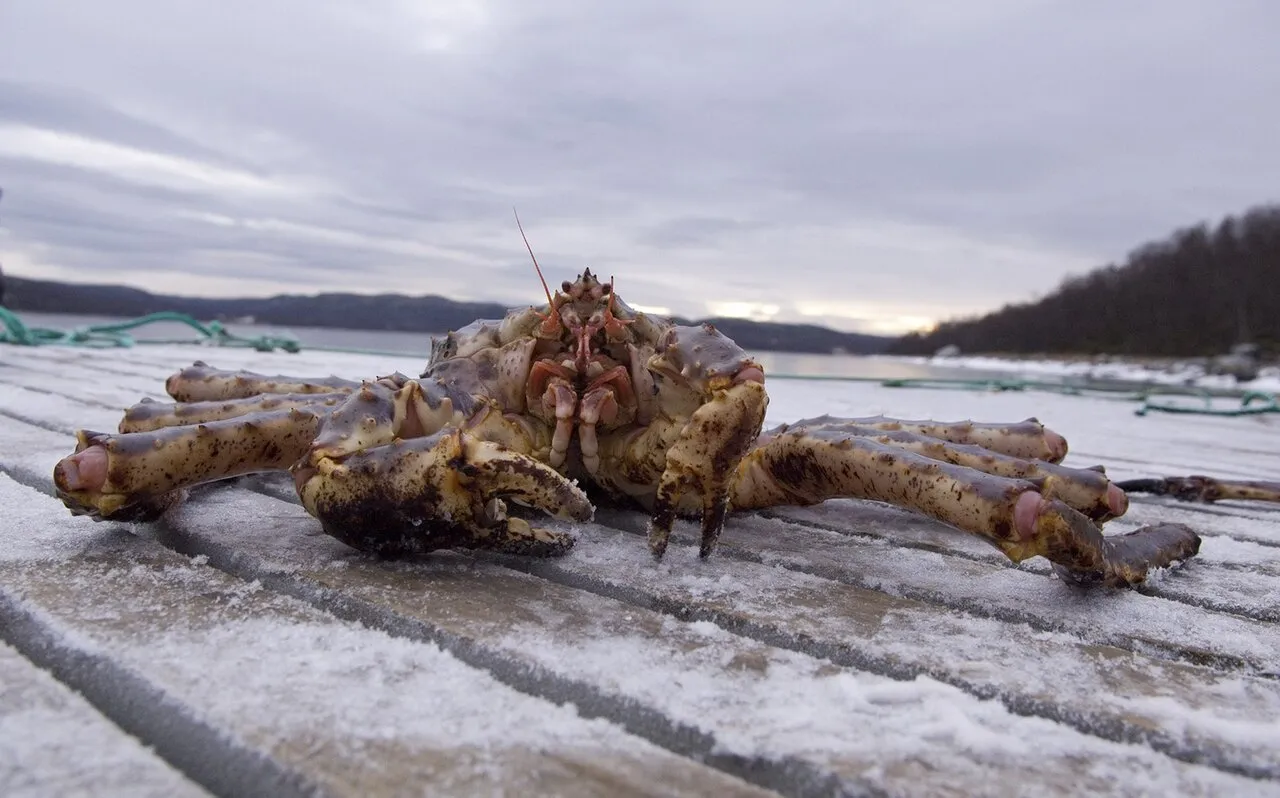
587,391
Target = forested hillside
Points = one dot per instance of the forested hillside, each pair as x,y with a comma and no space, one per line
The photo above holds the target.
1196,293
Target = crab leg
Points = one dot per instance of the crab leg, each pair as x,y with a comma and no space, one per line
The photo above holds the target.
802,466
1087,490
1200,488
131,476
150,415
1027,439
201,382
717,435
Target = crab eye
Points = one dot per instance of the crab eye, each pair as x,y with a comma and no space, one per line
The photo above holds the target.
566,286
606,289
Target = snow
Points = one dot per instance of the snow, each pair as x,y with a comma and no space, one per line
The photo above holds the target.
1186,374
788,657
52,742
37,531
698,674
278,674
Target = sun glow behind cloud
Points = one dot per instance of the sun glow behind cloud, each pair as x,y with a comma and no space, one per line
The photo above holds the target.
878,319
874,318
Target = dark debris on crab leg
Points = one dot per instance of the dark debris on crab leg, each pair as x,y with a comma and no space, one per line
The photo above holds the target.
1020,516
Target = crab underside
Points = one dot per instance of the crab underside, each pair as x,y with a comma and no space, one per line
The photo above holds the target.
585,391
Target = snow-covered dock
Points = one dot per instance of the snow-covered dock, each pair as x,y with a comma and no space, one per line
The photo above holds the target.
847,648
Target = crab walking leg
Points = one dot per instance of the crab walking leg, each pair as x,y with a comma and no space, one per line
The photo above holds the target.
1199,488
701,463
200,382
131,476
445,490
1086,490
1082,555
150,415
806,467
1029,439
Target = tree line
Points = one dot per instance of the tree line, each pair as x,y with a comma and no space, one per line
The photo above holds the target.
1196,293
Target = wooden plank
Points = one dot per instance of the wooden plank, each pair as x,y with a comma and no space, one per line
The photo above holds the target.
1125,619
242,675
739,695
52,742
866,541
792,625
739,688
1056,674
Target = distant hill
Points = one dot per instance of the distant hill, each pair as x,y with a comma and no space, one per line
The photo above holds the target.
380,312
1196,293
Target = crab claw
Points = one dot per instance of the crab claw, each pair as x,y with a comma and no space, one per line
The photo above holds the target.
448,490
495,471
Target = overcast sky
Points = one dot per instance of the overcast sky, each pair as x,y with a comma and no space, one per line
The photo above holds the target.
873,166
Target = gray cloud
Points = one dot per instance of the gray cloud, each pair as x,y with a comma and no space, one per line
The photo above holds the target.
859,164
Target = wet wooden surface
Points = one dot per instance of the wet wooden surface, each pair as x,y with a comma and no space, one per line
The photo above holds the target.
849,648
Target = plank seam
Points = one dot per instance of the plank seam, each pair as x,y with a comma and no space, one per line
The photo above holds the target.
1164,591
788,776
1113,729
203,754
791,778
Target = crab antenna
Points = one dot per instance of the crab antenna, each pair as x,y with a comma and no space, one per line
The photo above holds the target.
551,304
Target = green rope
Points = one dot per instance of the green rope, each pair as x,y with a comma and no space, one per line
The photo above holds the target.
14,331
1267,404
994,386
